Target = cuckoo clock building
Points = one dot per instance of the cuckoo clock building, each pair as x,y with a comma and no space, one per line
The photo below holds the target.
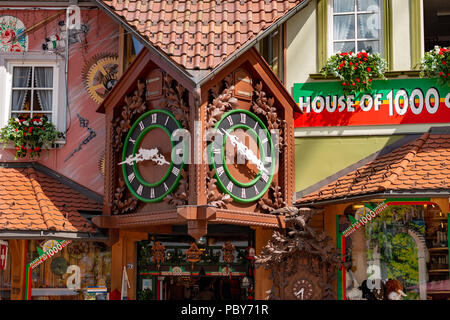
173,150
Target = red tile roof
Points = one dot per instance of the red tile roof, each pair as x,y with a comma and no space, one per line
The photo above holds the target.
200,34
423,164
33,201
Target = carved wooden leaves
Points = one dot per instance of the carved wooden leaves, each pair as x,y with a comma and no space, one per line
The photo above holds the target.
264,106
123,202
175,95
181,195
134,105
214,196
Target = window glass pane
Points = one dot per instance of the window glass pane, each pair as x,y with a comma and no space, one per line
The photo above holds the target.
46,115
42,100
344,46
401,254
21,100
80,265
344,27
21,77
367,5
22,115
344,5
43,77
368,26
369,46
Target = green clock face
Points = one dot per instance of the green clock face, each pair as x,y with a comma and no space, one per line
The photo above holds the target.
151,161
242,155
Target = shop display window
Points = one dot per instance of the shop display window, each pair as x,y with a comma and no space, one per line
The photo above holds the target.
181,268
81,271
402,254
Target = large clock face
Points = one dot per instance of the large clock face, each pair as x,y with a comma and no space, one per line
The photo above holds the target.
302,289
242,155
151,161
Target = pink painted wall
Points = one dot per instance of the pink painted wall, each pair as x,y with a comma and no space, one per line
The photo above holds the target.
83,166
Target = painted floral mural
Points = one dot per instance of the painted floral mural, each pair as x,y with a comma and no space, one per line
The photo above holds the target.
10,29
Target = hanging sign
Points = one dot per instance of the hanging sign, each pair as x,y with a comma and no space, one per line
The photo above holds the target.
3,254
398,101
57,246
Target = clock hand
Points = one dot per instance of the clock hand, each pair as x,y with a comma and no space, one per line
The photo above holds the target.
146,154
300,292
246,152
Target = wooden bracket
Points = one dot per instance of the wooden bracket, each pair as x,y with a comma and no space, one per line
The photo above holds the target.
197,219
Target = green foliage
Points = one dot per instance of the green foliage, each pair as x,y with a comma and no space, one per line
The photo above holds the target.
404,263
146,294
29,135
356,70
398,250
436,64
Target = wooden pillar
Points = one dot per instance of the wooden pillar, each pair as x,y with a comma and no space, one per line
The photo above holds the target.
124,253
17,249
262,281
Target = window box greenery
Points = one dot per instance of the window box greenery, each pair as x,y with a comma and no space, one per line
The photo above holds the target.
435,64
356,70
29,136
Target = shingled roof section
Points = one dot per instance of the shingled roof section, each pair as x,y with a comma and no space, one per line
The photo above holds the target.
200,34
33,201
421,165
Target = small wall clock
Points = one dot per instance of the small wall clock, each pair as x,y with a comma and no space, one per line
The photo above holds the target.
302,289
151,160
242,156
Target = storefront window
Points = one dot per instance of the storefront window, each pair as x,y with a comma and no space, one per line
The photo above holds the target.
436,24
402,254
81,271
180,268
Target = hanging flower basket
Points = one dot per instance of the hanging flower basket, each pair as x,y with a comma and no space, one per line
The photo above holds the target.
356,70
435,64
29,135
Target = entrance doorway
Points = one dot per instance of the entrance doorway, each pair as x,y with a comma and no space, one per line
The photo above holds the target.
218,266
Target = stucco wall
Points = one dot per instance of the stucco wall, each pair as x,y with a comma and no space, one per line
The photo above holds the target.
317,158
401,35
301,43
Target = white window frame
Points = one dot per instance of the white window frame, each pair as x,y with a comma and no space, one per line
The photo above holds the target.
331,40
9,61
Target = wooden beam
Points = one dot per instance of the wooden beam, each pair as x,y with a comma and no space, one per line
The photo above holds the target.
262,276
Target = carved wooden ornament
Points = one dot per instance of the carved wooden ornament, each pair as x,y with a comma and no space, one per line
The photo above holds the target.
158,251
303,262
228,252
193,254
